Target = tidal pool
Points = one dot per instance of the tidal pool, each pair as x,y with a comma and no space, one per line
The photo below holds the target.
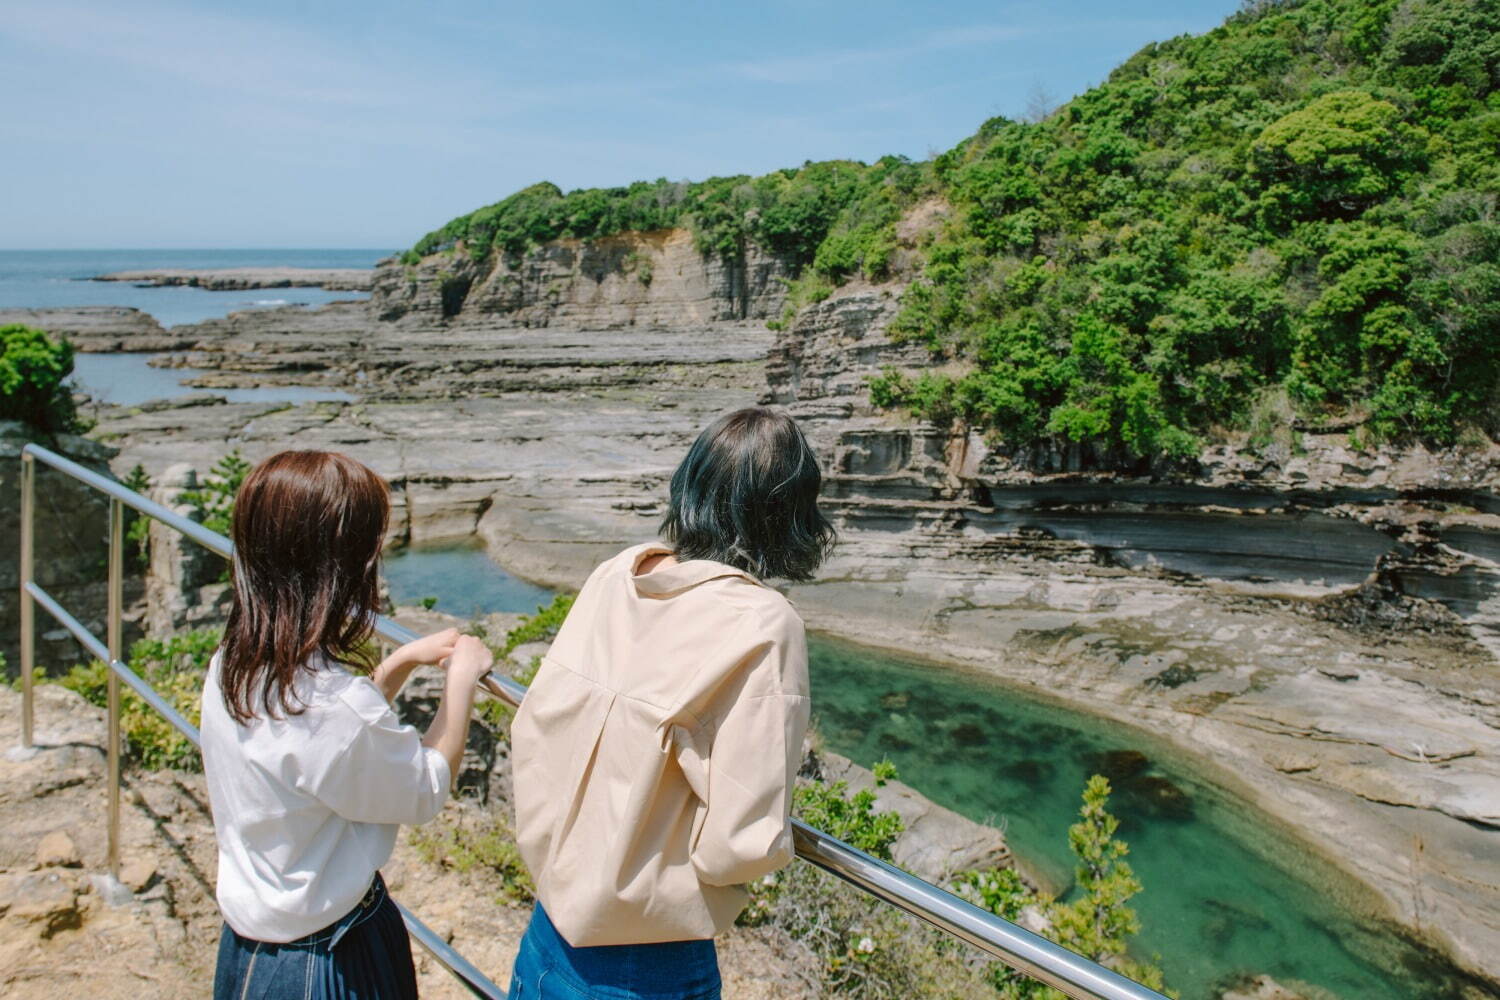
462,578
129,379
1227,891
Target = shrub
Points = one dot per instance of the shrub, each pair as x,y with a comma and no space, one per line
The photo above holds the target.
860,949
540,627
477,842
175,669
138,525
33,379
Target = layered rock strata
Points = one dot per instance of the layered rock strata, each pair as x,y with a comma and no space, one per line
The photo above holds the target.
654,278
232,279
1323,625
101,329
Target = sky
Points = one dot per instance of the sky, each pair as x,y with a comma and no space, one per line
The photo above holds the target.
329,124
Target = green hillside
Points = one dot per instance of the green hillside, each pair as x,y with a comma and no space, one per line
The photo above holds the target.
1297,210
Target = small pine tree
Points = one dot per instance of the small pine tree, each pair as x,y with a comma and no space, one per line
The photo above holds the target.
137,525
216,495
1098,923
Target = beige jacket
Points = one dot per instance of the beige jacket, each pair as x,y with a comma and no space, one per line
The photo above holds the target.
654,755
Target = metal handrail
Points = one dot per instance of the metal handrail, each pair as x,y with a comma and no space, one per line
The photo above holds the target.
1012,944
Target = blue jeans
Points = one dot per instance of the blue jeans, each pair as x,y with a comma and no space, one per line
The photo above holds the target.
365,954
548,968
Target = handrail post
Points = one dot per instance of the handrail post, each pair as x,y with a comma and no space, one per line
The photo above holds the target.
113,640
28,608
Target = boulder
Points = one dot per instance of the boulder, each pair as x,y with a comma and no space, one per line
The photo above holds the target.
57,850
45,901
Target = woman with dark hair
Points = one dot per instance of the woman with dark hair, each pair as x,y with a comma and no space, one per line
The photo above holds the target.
309,771
654,755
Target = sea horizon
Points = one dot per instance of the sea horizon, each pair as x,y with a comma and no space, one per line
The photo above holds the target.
59,279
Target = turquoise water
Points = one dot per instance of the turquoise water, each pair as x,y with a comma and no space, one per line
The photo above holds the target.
36,279
1226,892
462,578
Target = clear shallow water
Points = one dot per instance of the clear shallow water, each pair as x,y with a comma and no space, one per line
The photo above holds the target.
129,380
462,578
38,279
1225,892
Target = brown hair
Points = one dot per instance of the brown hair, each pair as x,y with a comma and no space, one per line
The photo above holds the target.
308,529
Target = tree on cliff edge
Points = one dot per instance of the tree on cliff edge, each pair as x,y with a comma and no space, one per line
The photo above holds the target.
33,371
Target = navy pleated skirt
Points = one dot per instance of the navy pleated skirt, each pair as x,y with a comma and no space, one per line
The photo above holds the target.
365,955
548,968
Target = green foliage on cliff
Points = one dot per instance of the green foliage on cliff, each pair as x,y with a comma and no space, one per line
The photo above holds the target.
215,493
540,627
1301,201
789,212
1303,198
33,371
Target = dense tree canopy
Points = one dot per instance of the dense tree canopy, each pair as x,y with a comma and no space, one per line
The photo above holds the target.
788,212
1300,203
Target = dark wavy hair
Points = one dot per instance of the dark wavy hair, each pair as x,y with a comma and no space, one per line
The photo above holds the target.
747,495
308,529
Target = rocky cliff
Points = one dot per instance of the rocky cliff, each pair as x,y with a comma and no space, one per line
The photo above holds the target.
631,279
1322,621
71,535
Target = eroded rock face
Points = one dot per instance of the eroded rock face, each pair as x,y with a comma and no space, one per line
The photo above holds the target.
653,279
100,328
70,535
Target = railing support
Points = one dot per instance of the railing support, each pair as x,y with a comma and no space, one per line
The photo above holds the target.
28,608
113,642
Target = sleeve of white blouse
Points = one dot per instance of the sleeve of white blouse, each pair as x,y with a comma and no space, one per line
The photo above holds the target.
753,761
383,774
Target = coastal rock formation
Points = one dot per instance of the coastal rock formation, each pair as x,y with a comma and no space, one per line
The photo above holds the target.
101,329
654,279
230,279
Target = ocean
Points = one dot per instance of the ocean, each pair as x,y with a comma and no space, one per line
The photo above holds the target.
35,279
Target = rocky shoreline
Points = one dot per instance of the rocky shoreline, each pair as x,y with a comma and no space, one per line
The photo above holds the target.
1315,626
232,279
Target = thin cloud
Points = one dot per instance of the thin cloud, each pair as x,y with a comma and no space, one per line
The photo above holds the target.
818,65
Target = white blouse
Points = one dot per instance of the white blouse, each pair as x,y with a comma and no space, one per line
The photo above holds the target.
306,807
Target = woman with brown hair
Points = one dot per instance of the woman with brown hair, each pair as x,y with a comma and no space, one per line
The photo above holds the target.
309,770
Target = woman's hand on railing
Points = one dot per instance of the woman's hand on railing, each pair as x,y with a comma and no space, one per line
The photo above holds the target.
470,659
396,668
